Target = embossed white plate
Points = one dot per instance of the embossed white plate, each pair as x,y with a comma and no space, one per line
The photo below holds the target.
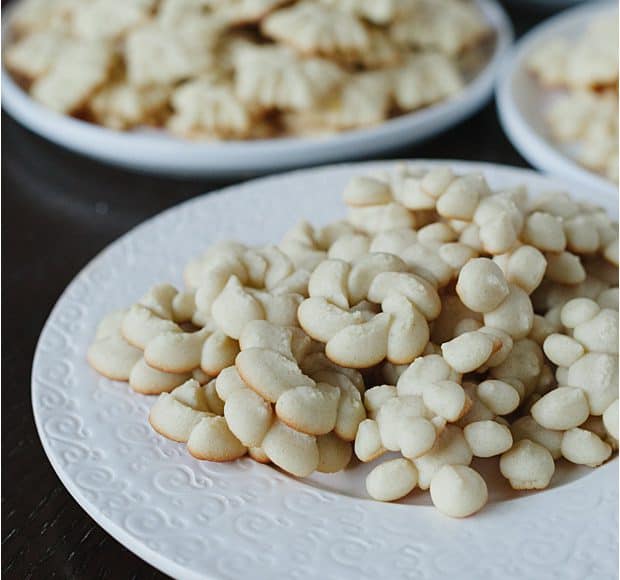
522,101
195,519
158,152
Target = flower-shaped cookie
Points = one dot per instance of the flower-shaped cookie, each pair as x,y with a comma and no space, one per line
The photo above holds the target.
449,26
272,77
312,28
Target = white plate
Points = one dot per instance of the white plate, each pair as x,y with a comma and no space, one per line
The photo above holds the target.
157,152
522,101
196,519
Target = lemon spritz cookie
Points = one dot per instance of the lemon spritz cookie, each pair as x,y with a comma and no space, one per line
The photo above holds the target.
242,69
585,114
441,321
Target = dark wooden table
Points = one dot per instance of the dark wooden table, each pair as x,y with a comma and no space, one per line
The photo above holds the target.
59,211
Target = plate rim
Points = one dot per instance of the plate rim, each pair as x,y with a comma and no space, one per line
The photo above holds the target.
130,542
154,154
538,151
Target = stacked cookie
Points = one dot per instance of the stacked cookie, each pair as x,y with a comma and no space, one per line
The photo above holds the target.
234,372
586,113
212,69
442,321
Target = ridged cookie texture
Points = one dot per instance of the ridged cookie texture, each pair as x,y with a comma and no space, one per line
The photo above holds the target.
440,322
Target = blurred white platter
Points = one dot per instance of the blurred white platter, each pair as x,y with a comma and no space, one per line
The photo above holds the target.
194,519
522,102
155,151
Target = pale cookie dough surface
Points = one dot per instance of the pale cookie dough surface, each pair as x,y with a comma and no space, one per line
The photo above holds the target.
36,15
121,105
276,77
363,100
206,107
590,62
583,117
449,26
316,29
158,55
109,19
368,337
34,55
214,70
376,11
74,76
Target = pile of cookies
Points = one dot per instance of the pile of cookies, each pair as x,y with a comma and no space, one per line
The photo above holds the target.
441,321
586,113
242,69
